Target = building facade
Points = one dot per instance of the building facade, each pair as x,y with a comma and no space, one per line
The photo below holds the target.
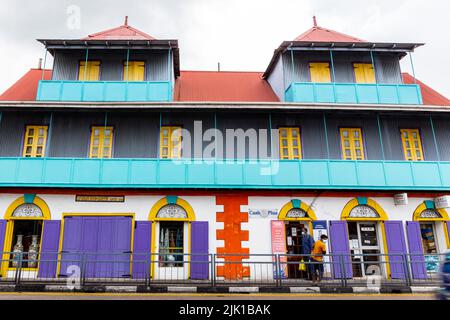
144,170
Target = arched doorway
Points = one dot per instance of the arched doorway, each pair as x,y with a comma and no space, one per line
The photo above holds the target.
298,217
171,219
366,235
24,225
434,233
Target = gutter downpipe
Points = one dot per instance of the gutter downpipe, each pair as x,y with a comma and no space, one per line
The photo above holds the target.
49,138
45,62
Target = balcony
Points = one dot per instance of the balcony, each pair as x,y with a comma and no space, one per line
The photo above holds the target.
353,93
105,91
237,174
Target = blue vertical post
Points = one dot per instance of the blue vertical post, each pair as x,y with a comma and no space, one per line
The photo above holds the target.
412,67
380,136
438,154
326,135
215,135
49,136
45,62
271,136
127,73
334,74
85,71
375,73
169,75
292,65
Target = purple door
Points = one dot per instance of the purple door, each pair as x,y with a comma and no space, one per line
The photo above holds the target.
101,243
49,249
340,250
417,258
2,235
199,250
142,249
395,238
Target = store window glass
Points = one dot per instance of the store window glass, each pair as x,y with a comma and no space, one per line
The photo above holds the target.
26,238
428,238
171,244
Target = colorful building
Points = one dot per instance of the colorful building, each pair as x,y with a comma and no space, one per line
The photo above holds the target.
115,157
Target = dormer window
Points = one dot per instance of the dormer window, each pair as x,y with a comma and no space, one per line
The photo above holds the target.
364,73
89,71
134,72
320,72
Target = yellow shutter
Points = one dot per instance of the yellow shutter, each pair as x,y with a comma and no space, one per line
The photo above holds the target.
170,143
92,71
101,142
364,73
35,141
412,144
290,143
352,144
320,72
136,71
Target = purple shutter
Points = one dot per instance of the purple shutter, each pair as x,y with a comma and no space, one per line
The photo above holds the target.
199,250
395,239
89,243
142,249
448,232
72,239
49,250
2,235
340,249
417,259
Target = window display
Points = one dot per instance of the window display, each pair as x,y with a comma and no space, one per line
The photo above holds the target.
25,241
428,238
171,244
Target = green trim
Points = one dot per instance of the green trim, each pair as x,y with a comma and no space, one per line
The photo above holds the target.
430,204
29,198
296,203
172,199
362,201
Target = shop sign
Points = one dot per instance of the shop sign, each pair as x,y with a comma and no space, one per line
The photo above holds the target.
262,213
81,198
279,247
442,202
401,199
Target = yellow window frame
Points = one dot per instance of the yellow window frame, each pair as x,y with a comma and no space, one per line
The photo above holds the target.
98,137
35,141
92,70
288,137
320,72
364,73
135,72
412,143
351,143
170,142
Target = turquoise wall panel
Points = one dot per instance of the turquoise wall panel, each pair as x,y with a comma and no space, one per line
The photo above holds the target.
370,173
8,170
445,173
304,92
325,93
201,173
93,91
345,93
229,173
115,91
30,170
137,91
259,173
86,171
115,172
143,172
343,173
172,172
288,173
409,95
314,173
71,91
159,91
388,94
50,91
57,171
398,174
426,174
367,94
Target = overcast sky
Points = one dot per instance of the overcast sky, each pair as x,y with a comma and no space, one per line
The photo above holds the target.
241,34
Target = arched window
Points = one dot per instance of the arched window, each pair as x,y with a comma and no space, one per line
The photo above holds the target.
172,211
363,211
296,213
28,210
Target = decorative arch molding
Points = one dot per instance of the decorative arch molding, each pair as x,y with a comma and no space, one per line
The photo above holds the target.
363,202
171,201
28,199
429,206
299,205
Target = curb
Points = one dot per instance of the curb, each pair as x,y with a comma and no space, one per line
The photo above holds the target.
425,289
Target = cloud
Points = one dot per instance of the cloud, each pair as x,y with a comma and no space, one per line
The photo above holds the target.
240,34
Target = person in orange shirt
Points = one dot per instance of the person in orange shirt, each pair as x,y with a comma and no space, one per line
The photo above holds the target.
317,253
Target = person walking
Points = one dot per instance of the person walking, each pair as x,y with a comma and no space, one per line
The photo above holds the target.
307,247
319,250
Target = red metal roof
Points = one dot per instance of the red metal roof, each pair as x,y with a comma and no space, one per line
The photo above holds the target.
223,86
124,32
319,34
25,89
429,95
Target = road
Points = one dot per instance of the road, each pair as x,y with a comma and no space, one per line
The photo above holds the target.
158,296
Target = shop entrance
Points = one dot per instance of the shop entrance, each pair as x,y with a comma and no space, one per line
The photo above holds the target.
364,247
429,239
295,247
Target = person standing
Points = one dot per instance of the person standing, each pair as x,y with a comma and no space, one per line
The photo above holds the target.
307,247
319,250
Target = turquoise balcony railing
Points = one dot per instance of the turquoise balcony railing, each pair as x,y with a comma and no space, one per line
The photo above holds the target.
109,91
262,174
354,93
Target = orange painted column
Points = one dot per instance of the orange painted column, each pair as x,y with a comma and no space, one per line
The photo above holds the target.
232,235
